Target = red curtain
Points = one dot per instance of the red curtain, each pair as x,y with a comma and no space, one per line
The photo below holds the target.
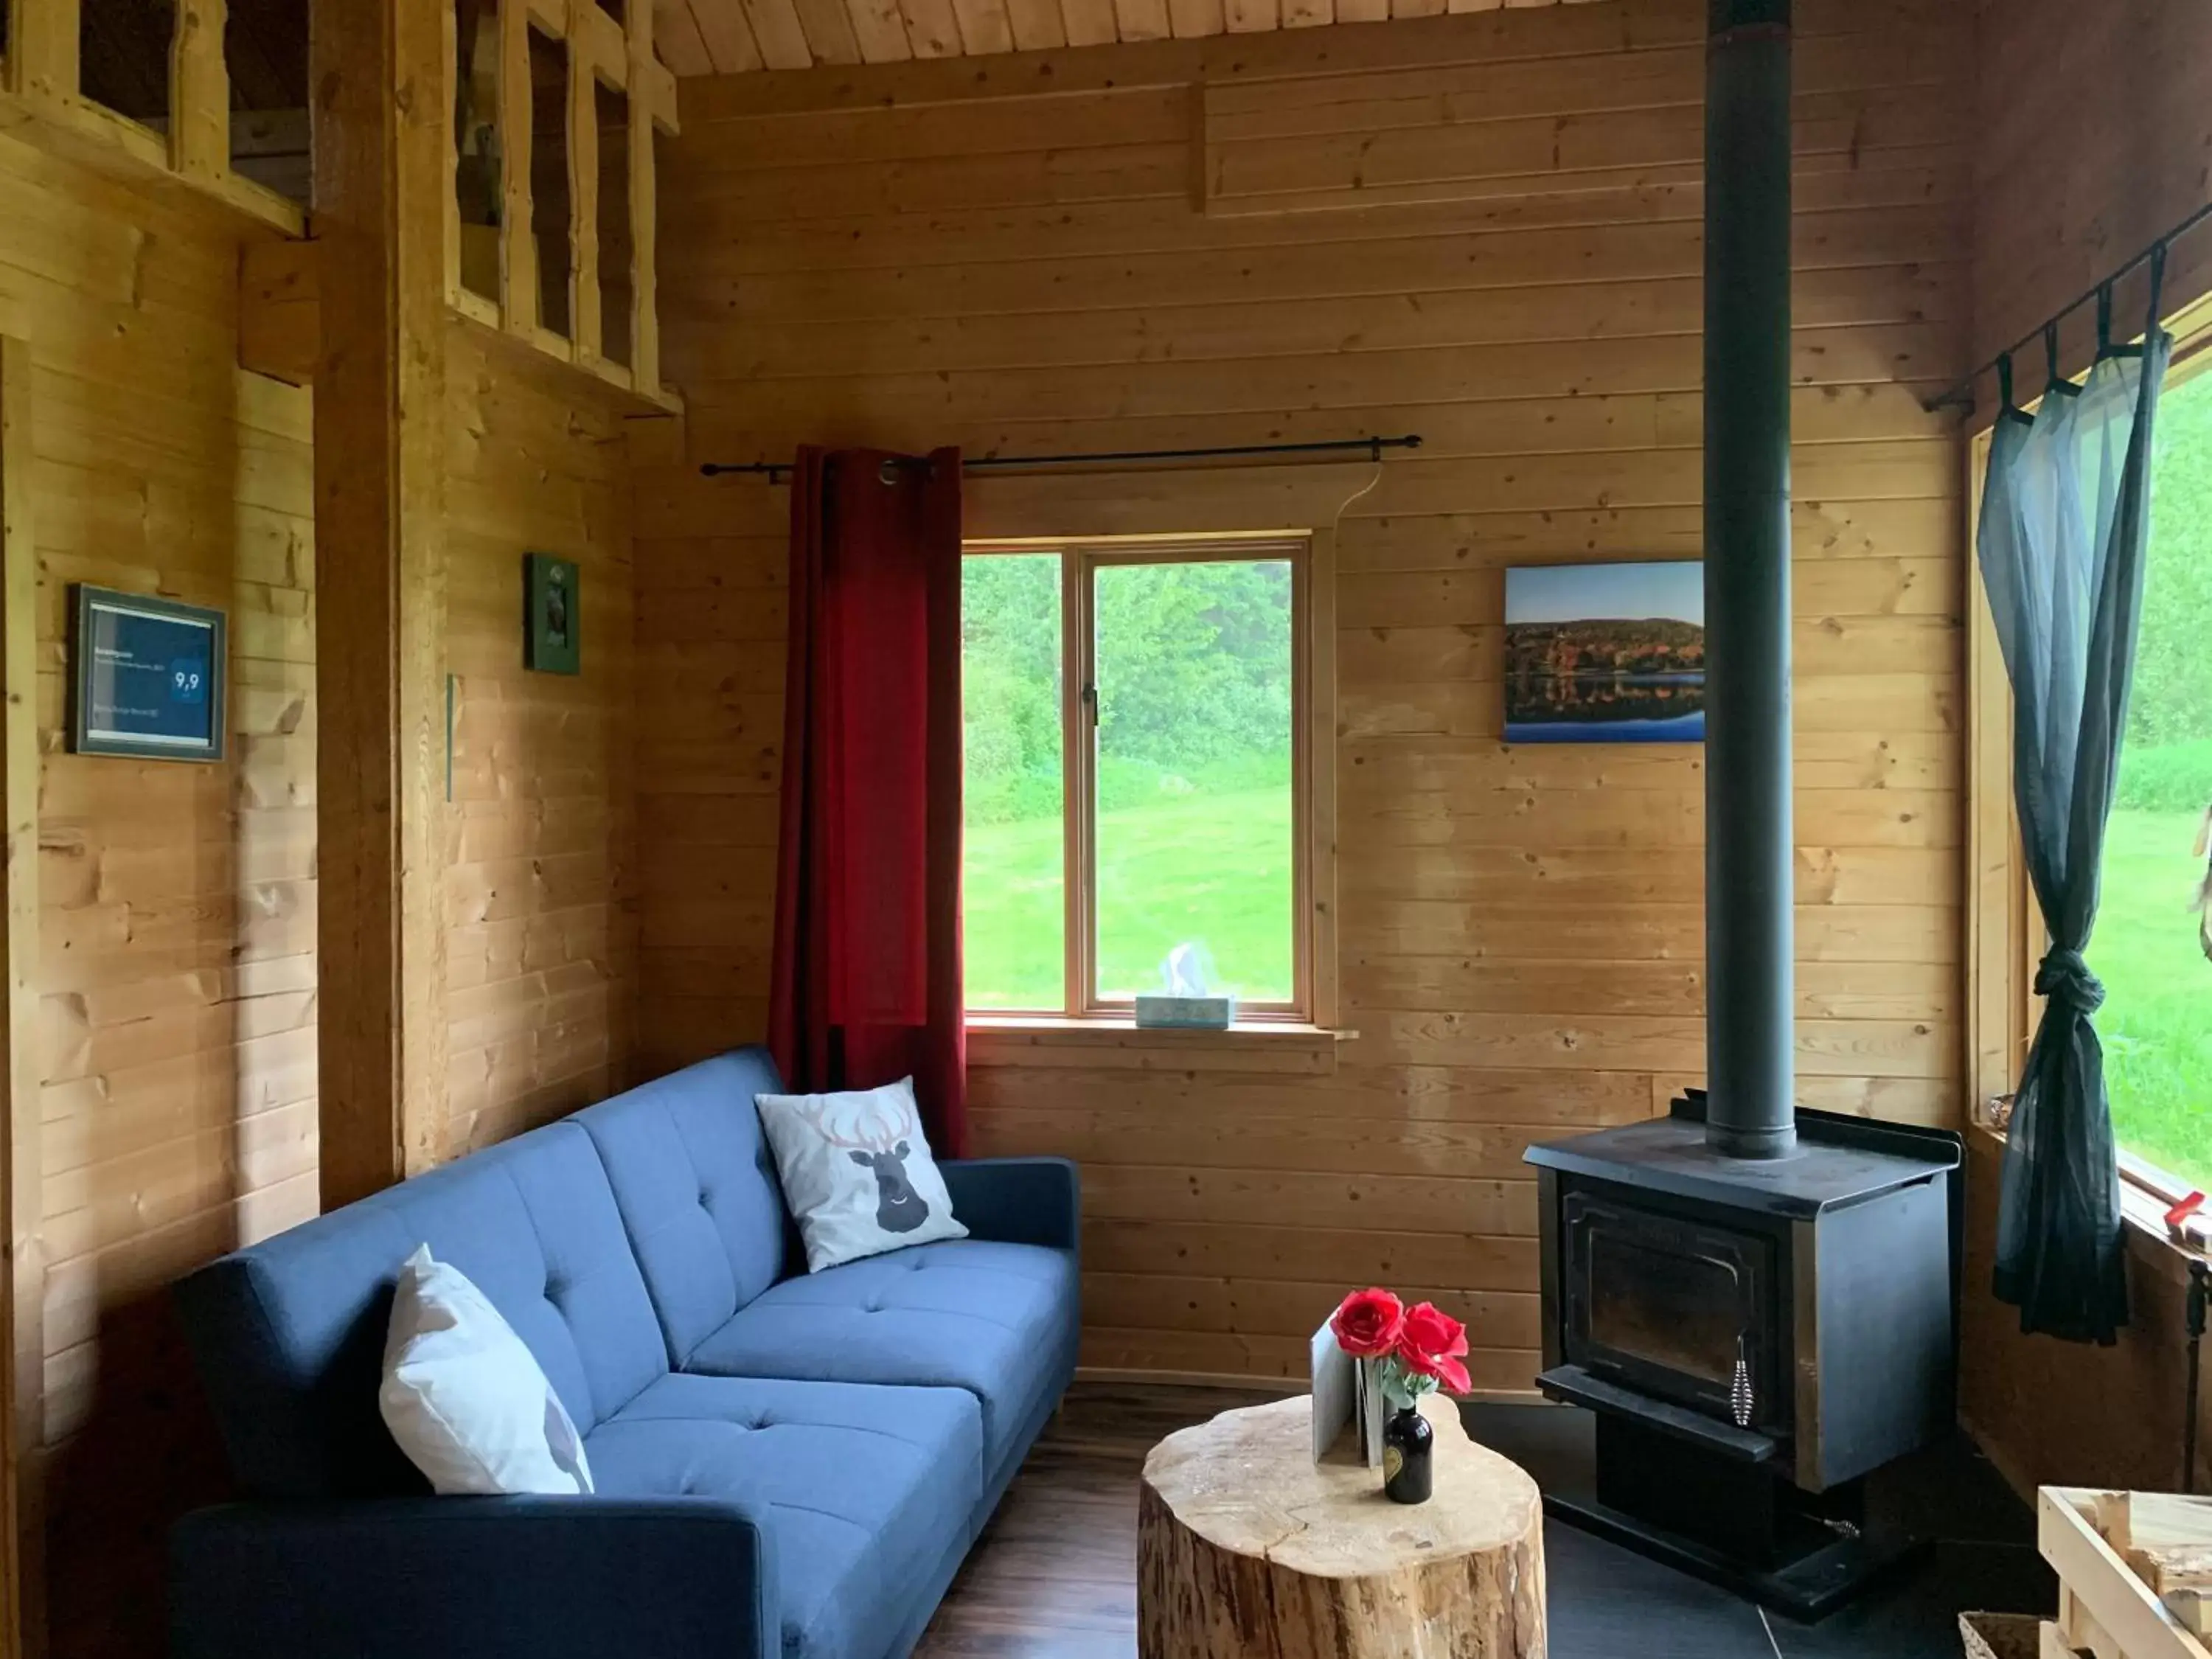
867,979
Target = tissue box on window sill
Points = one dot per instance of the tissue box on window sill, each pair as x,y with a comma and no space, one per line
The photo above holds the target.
1186,1013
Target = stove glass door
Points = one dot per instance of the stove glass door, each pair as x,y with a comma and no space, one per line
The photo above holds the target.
1683,1309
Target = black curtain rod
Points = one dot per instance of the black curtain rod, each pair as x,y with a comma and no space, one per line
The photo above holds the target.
1961,396
776,471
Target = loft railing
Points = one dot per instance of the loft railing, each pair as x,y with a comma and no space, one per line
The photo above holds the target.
527,73
179,127
554,106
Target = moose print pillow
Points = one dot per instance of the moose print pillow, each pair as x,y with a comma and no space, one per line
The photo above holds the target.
856,1172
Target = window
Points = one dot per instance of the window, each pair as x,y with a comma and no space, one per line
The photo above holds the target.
2156,1023
1138,773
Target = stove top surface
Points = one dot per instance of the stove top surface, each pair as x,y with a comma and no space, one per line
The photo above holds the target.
1838,1161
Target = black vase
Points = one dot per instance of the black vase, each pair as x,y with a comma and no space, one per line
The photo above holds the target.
1407,1440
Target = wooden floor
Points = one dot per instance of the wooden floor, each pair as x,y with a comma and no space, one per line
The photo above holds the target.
1054,1575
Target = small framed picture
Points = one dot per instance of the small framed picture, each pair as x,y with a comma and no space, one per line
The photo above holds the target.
553,600
150,677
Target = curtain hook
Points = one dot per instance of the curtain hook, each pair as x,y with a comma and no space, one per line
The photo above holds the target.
2157,286
2105,320
2004,383
2051,349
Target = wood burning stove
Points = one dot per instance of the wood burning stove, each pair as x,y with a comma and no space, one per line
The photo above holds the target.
1755,1335
1755,1301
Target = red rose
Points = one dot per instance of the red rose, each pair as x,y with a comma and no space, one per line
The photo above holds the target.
1431,1343
1367,1323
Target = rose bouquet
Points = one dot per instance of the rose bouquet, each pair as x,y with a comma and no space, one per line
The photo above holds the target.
1418,1348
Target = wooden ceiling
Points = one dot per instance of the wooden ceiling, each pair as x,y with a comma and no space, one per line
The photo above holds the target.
726,37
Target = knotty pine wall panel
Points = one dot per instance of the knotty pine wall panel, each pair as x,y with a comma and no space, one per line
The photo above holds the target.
176,981
2077,170
1025,261
539,983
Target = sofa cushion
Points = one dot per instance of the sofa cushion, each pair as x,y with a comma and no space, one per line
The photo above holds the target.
997,1320
289,1334
697,1188
863,1490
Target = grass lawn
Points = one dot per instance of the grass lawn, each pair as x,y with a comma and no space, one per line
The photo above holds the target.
2156,1023
1214,869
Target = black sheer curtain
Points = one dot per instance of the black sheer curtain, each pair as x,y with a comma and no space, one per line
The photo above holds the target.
2065,514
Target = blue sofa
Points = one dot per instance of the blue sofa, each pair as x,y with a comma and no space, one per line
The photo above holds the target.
786,1463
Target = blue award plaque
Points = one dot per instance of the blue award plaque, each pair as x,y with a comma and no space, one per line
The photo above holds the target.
150,677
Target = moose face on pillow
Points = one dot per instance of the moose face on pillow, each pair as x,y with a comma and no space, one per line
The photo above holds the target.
856,1172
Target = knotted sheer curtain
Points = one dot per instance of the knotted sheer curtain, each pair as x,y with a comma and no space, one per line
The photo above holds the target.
2065,515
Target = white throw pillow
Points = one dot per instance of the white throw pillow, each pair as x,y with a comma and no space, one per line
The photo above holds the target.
465,1398
856,1172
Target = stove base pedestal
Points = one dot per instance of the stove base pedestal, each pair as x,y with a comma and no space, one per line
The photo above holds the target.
1734,1524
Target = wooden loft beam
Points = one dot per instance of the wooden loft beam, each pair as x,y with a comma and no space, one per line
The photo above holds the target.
382,174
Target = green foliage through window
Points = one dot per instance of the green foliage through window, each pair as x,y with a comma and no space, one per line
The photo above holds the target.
1194,834
2156,1025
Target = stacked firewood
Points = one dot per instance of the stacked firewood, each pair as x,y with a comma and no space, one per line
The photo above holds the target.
2167,1540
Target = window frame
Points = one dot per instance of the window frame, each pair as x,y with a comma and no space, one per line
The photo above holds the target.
1312,1004
2005,936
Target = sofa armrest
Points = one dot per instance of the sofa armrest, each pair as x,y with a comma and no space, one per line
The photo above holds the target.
1016,1201
484,1577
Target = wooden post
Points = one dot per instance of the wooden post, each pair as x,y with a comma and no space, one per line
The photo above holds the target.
381,175
42,49
652,111
517,245
585,20
199,92
22,1292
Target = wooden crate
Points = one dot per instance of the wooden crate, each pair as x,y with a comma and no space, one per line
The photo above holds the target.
2104,1608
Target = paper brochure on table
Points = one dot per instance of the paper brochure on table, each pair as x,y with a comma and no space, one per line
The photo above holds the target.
1346,1392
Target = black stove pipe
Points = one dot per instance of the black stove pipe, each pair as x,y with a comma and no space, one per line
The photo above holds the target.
1750,949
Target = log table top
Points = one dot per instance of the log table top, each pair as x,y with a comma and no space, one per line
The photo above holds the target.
1247,1549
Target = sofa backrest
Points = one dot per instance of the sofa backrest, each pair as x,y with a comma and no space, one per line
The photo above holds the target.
697,1186
289,1333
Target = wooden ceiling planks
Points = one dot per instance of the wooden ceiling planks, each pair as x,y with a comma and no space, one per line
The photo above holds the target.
731,37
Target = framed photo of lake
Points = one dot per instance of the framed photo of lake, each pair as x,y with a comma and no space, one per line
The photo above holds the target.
1605,653
150,677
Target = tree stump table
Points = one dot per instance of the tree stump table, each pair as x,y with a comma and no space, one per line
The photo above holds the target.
1247,1549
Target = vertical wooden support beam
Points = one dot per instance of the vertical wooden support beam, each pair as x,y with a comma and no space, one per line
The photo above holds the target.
381,175
42,49
22,1296
584,320
199,92
517,247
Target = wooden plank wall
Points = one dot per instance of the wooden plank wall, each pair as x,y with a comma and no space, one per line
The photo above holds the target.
177,979
539,980
2094,138
1022,259
2074,174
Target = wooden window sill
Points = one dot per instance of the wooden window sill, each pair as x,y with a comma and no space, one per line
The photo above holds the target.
2144,1212
1051,1041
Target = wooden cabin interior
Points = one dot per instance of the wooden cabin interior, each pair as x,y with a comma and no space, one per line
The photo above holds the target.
341,324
